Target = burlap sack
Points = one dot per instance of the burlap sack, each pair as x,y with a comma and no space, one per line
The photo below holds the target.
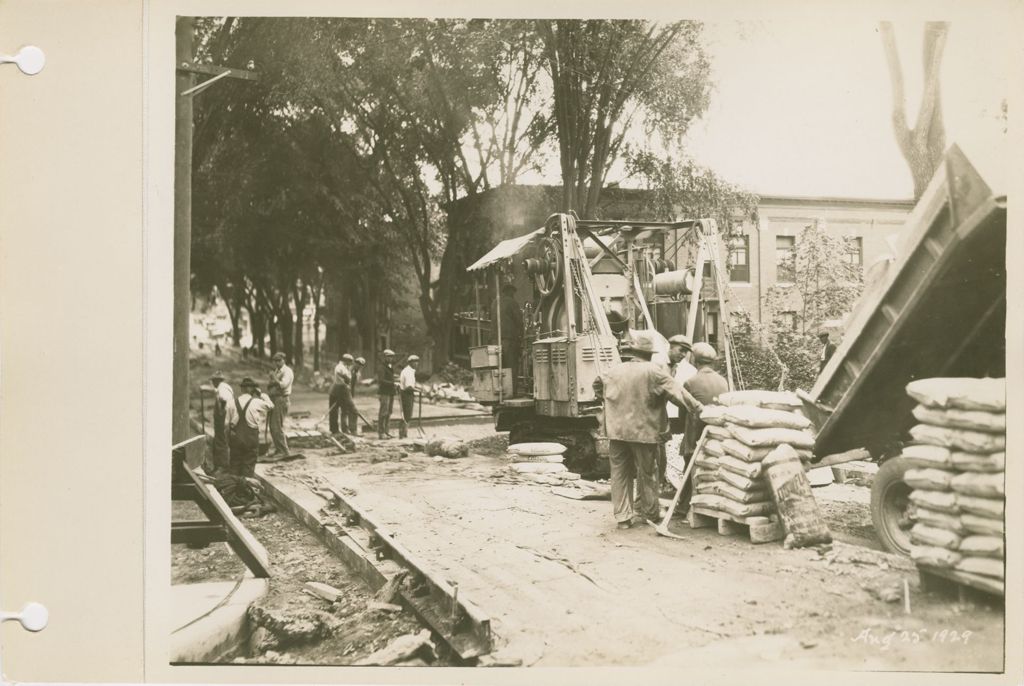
974,420
961,393
978,484
986,566
922,534
959,439
936,501
929,479
983,546
932,556
763,418
764,438
970,462
924,456
791,492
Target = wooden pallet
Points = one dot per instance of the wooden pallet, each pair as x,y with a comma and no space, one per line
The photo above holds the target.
951,580
701,517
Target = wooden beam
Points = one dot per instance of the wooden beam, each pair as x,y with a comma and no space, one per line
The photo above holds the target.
197,533
214,70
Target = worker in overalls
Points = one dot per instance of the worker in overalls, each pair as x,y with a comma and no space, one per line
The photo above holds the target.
407,393
223,397
244,418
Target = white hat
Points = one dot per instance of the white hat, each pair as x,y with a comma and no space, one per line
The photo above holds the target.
347,358
413,358
361,360
388,351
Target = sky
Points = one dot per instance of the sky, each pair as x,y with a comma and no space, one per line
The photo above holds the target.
803,109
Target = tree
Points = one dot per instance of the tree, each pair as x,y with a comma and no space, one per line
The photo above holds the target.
605,76
924,145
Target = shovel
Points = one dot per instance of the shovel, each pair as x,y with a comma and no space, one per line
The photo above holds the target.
662,529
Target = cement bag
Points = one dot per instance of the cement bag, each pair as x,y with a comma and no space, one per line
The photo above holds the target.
936,501
706,487
746,509
963,393
735,449
983,546
706,463
717,432
763,418
791,492
713,415
986,566
751,470
975,420
741,482
533,449
738,495
713,446
922,534
924,456
553,459
708,500
940,520
931,556
981,507
764,438
981,485
538,468
700,477
970,462
960,439
983,526
777,400
928,479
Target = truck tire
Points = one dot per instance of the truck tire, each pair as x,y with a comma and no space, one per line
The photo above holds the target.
890,506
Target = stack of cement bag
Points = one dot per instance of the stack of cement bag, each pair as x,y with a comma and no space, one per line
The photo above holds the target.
540,462
742,430
956,473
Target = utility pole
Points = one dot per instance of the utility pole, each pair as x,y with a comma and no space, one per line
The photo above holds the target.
184,90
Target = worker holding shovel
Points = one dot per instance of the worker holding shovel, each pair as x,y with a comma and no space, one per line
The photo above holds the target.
407,392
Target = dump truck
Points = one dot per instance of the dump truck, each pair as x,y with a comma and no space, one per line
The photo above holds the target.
589,283
935,307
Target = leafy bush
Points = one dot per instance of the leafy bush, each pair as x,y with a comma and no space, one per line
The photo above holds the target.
456,375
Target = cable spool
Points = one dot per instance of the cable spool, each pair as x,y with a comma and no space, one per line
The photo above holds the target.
675,282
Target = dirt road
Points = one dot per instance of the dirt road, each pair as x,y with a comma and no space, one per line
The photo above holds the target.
564,587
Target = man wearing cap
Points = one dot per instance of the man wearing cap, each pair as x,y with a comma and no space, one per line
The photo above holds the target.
828,349
224,396
385,392
634,395
407,391
350,415
680,369
706,385
340,398
244,417
280,388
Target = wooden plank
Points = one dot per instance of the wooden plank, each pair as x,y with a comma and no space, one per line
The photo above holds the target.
213,70
976,581
241,541
197,533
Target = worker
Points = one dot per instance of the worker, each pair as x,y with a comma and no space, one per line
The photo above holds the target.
385,392
340,397
634,394
511,332
828,348
680,369
706,385
224,396
244,417
407,391
350,416
280,389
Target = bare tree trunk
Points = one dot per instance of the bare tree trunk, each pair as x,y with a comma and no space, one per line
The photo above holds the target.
923,145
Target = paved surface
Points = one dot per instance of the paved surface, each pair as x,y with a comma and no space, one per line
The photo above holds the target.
565,588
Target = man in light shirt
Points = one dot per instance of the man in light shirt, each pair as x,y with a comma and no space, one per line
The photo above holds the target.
280,388
340,397
407,392
350,416
224,397
244,418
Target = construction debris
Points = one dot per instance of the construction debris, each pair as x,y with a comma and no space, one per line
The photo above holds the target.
325,591
291,628
446,447
401,649
388,593
383,607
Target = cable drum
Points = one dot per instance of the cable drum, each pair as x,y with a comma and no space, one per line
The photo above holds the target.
675,282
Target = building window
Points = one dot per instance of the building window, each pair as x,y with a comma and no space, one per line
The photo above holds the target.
785,259
739,259
711,328
787,320
855,251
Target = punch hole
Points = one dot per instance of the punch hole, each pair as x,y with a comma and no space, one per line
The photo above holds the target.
33,617
30,60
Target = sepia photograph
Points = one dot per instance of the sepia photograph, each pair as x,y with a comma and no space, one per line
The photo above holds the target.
587,342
